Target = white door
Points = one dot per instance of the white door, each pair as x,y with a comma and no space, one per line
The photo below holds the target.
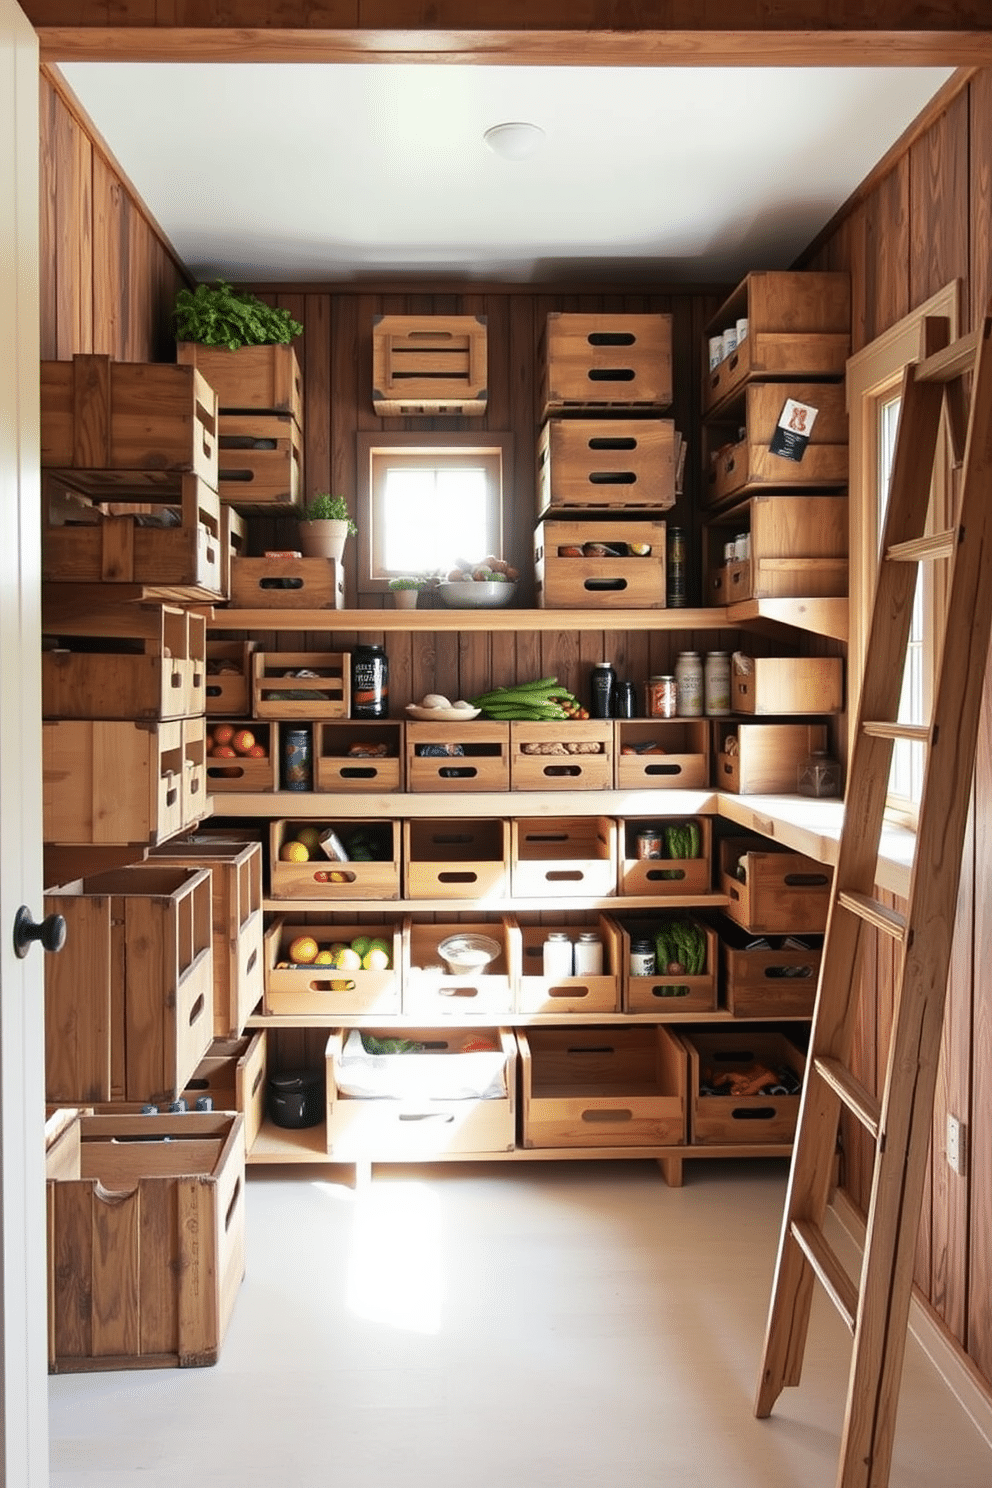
23,1329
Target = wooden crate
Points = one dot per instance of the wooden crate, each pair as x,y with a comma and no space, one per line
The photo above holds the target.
777,982
233,543
431,991
83,541
775,685
580,993
147,661
603,1087
232,1073
321,878
323,991
739,460
799,328
236,894
798,549
342,767
586,762
227,690
781,892
457,859
763,759
241,773
668,992
260,461
605,465
419,1127
194,788
287,584
578,582
716,1119
429,364
146,1243
593,361
252,379
129,1001
662,753
665,875
563,856
109,425
480,760
325,695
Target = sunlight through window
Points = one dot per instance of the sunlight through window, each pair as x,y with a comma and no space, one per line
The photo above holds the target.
396,1268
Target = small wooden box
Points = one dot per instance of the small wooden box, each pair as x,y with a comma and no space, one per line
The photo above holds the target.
779,982
194,786
579,993
342,767
662,754
457,859
321,878
740,466
324,991
431,990
233,543
563,856
241,772
146,1245
287,584
763,759
414,1127
260,461
429,364
574,755
747,1119
668,992
668,874
232,1073
798,548
129,1001
605,465
781,893
591,361
253,379
479,758
578,582
109,677
277,694
603,1087
776,685
228,684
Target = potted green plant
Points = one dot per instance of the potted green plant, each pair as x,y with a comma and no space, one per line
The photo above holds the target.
242,347
325,526
406,591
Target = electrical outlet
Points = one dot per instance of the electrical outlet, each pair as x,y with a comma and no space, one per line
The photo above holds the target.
957,1153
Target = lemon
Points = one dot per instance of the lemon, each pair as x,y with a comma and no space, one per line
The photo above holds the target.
303,950
362,944
294,852
348,960
323,958
639,550
376,960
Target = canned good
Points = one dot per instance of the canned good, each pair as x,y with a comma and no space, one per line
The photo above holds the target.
675,570
557,955
649,842
642,958
297,760
588,954
660,697
689,684
716,683
626,701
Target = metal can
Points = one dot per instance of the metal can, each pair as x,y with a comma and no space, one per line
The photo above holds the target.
675,571
642,958
588,954
716,684
660,697
369,682
297,760
689,684
557,955
626,700
649,842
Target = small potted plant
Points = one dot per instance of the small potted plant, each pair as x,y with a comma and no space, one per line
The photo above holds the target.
406,591
325,526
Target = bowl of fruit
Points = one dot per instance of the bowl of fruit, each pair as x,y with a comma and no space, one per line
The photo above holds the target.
489,585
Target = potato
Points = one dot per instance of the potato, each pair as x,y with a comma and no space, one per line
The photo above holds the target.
434,700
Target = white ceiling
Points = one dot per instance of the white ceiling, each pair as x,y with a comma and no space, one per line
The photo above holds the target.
337,173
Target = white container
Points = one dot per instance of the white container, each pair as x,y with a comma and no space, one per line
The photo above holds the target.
730,341
742,547
741,331
716,351
588,954
716,684
689,685
557,955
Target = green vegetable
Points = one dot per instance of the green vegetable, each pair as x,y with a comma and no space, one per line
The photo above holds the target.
219,316
373,1045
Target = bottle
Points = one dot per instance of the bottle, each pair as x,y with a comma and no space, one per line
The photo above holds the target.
689,685
588,954
716,684
297,760
369,682
819,775
602,690
557,955
642,957
625,700
675,569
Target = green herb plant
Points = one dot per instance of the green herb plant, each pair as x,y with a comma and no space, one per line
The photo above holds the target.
408,582
327,508
216,315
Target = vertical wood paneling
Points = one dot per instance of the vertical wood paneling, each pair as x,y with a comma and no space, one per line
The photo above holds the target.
886,297
939,193
74,235
109,238
48,231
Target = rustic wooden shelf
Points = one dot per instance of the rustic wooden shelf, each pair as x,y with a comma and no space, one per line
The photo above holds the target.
368,620
508,905
303,805
827,617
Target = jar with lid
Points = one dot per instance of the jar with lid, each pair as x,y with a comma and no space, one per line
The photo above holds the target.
369,682
626,700
819,775
297,760
642,957
557,955
602,690
660,697
716,684
588,954
689,685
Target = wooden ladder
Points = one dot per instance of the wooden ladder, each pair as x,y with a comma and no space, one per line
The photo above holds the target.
876,1311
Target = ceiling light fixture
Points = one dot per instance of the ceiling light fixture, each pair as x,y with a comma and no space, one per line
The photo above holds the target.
514,141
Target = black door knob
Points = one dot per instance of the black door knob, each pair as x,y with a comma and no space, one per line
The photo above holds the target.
51,932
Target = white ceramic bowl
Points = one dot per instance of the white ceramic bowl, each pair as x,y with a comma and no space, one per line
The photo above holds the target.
468,955
470,594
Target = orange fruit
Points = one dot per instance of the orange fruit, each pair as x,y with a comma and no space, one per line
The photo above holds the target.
223,733
303,950
258,751
224,752
294,852
243,741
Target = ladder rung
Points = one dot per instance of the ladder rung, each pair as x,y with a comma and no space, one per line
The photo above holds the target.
924,549
918,733
945,365
889,921
836,1283
857,1097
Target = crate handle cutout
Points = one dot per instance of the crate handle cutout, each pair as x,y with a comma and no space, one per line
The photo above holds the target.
457,877
447,839
670,989
232,1205
246,441
250,964
663,769
612,478
242,476
340,984
259,1077
359,772
288,583
729,465
196,1010
175,680
611,374
545,836
806,880
592,1049
464,772
759,1113
225,772
654,874
564,875
616,1117
614,442
568,992
598,586
171,796
611,338
792,972
445,1117
562,770
459,991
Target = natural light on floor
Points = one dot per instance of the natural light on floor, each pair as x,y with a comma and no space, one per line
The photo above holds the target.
397,1265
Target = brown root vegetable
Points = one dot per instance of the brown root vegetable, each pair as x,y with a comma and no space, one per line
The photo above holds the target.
675,968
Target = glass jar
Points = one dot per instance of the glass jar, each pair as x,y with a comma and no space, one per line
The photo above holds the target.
642,958
626,700
819,775
689,685
588,954
557,955
369,682
648,842
660,697
716,684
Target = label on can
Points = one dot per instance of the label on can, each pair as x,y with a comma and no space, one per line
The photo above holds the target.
649,843
642,958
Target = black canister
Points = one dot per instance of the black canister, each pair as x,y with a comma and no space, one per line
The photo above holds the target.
295,1098
626,700
602,690
297,760
675,569
369,682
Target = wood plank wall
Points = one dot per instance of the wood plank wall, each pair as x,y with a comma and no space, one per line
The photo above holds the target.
928,221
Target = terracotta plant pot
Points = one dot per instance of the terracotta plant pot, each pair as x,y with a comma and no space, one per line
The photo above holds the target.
323,539
405,599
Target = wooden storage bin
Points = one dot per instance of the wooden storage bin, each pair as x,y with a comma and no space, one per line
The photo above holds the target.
129,1002
227,690
232,1073
590,361
341,771
287,584
194,770
242,773
740,461
799,328
747,1119
779,982
605,465
482,763
576,583
763,759
429,364
788,684
460,858
603,1087
146,1238
798,549
253,379
233,543
413,1127
586,764
260,461
236,894
147,663
668,992
563,856
662,753
321,878
580,993
782,893
431,991
667,874
324,991
326,695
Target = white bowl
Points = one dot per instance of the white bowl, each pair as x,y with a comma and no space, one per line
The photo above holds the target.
469,594
468,955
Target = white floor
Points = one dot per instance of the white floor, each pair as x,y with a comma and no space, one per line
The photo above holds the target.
572,1325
